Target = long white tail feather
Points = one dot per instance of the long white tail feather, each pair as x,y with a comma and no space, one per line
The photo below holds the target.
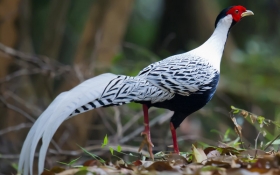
27,152
103,90
58,111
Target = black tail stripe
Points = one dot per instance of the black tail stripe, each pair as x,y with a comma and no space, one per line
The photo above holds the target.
101,102
85,108
92,105
107,87
115,83
120,90
112,94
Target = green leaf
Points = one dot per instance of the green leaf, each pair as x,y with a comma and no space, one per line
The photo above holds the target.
210,168
63,163
160,154
237,144
260,119
275,123
83,168
227,133
204,145
105,141
235,110
74,161
130,154
92,155
215,131
276,142
111,150
15,166
119,148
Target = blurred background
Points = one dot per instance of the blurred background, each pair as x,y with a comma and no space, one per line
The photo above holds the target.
50,46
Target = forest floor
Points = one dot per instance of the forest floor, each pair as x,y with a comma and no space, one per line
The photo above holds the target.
223,160
227,158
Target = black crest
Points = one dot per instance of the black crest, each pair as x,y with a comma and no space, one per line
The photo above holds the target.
222,14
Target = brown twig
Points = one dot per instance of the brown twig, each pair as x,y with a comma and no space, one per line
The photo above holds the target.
140,129
23,56
271,142
16,109
37,60
105,121
18,73
118,122
15,128
32,108
256,140
236,127
134,119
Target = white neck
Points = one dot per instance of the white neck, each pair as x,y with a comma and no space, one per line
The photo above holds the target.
213,48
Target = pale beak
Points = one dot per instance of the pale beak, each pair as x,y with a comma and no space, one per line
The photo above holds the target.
247,13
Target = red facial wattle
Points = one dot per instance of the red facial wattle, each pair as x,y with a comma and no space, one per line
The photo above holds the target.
236,12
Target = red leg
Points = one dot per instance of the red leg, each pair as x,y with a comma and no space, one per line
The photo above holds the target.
174,138
146,132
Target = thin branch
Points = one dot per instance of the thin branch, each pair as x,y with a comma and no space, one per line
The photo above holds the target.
256,140
56,145
16,128
78,73
237,128
140,129
22,56
105,121
34,109
134,119
18,73
16,109
118,122
271,142
44,63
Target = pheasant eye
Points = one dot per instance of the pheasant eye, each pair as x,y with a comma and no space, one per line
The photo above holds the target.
236,11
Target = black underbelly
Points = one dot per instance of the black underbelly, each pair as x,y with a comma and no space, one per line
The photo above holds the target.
186,105
183,104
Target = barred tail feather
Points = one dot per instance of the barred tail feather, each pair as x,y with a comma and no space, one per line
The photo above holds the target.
103,90
57,112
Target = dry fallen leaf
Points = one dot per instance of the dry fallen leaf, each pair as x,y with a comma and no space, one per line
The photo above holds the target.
198,154
160,166
176,159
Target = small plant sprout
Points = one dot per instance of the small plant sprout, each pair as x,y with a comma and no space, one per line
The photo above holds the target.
254,119
105,141
70,163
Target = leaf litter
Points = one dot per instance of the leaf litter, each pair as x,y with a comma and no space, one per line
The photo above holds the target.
224,159
209,161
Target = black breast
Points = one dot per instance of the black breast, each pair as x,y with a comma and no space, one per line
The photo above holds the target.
186,105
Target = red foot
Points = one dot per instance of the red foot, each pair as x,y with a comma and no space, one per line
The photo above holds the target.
147,137
174,138
147,141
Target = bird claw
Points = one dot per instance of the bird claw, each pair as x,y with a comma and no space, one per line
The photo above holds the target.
147,138
147,141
